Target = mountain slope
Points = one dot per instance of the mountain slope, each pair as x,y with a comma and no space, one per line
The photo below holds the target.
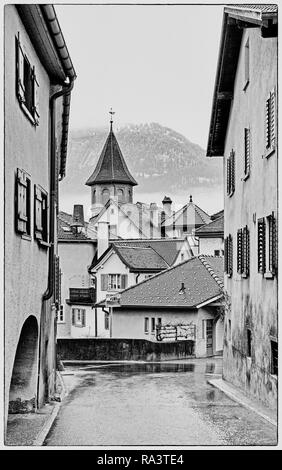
159,158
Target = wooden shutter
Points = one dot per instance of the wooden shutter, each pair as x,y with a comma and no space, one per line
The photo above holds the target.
104,281
261,245
21,201
57,281
83,317
230,255
35,85
246,251
73,316
232,171
20,71
228,175
124,281
247,151
273,258
38,212
239,252
226,254
272,120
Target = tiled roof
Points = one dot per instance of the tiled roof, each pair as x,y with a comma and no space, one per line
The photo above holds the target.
264,8
214,227
141,258
65,231
217,214
111,166
202,277
166,248
190,214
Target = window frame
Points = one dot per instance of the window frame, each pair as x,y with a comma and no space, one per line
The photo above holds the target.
78,317
61,314
146,325
24,67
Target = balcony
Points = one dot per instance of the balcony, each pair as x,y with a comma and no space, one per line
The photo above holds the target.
81,296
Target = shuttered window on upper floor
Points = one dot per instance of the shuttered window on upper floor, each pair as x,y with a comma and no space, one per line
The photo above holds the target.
40,214
247,152
270,123
243,251
27,86
230,173
228,255
267,246
113,282
22,202
261,245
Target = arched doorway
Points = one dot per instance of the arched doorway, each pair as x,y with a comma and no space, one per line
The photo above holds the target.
22,397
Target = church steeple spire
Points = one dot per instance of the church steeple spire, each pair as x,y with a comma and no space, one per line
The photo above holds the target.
111,121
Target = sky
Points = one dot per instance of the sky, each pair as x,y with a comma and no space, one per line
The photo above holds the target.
149,63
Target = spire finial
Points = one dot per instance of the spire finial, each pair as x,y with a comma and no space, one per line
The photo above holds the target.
191,200
111,121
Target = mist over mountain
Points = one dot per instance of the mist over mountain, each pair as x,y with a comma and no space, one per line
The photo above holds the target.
159,158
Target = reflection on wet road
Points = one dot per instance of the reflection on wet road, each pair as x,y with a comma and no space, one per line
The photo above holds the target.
153,404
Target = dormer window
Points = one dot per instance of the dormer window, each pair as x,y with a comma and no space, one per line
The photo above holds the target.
26,84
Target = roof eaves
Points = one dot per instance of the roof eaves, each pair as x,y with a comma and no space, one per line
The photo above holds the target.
205,262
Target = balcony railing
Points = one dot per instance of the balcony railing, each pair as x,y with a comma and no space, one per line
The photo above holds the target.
82,295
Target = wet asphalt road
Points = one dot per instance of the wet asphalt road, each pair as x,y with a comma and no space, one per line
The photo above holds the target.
153,404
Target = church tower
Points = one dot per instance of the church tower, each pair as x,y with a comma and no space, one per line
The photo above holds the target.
111,177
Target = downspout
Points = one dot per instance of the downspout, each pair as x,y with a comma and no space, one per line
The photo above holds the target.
66,90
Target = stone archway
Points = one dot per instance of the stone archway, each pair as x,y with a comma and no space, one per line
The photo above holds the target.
22,397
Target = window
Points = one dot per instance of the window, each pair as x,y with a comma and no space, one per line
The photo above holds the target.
26,84
203,329
61,315
22,202
94,197
216,252
247,152
243,251
78,317
105,196
146,325
267,246
274,357
230,173
229,330
112,230
40,214
153,325
107,321
228,255
120,195
270,123
249,342
113,281
247,64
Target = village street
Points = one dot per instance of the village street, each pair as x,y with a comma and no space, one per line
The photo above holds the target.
153,404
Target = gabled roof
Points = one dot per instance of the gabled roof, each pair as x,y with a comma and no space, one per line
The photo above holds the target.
111,166
190,214
167,248
202,277
136,258
214,228
235,19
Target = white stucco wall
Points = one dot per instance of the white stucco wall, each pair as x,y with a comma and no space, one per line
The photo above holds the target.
207,246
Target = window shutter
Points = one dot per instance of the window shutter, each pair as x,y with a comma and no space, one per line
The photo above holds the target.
83,317
228,175
38,209
246,251
232,171
230,255
57,280
239,251
21,202
247,151
272,113
273,245
20,71
73,317
226,254
35,97
124,281
104,281
261,245
267,120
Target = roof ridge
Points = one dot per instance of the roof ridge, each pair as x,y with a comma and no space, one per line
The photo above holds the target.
210,270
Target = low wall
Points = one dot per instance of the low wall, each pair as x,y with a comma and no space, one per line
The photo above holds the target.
108,349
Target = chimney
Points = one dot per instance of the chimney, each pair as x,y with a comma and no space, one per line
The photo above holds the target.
163,217
140,218
167,206
154,220
102,237
78,219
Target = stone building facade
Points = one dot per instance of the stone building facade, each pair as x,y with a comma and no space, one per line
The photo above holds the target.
38,79
243,131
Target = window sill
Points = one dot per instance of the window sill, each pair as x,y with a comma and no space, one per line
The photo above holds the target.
269,152
79,326
230,194
268,275
61,322
26,237
28,114
229,275
246,85
246,176
44,244
245,275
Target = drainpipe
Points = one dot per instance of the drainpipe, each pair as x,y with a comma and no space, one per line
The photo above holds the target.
65,91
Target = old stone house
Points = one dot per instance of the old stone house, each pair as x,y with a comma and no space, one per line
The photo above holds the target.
38,79
182,302
243,130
